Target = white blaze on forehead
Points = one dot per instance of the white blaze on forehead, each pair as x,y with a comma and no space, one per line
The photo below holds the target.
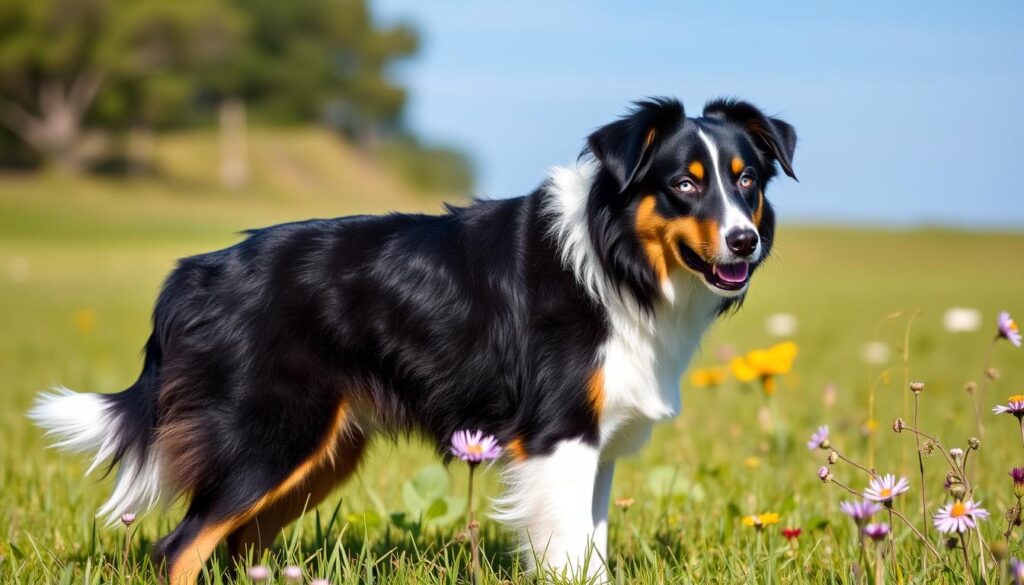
734,217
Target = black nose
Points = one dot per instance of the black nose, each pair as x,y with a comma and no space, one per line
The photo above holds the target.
742,242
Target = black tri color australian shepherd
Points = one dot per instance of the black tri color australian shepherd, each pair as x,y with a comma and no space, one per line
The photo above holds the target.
560,322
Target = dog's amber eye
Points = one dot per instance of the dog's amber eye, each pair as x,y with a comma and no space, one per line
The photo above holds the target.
686,186
746,181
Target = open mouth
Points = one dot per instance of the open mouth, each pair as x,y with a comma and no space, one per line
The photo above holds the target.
729,277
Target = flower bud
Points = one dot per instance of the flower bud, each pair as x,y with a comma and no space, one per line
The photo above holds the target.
824,474
970,387
957,454
928,448
1000,551
833,456
916,387
958,491
974,443
992,374
897,425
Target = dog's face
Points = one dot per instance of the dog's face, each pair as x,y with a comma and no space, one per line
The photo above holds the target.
695,187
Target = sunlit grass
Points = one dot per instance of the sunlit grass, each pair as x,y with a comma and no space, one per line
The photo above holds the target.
78,277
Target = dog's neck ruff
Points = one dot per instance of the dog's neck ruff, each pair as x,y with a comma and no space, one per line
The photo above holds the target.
646,352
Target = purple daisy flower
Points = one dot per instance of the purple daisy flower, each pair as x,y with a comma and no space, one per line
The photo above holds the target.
1008,329
877,530
824,474
1017,571
885,488
1017,474
258,573
959,516
819,440
474,446
860,511
1014,405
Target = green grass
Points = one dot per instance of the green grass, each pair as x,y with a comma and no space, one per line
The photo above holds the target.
80,264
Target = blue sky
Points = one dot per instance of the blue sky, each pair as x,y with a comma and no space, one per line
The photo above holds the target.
909,113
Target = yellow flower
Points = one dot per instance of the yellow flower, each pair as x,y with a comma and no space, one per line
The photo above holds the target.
752,462
84,320
710,377
765,364
759,521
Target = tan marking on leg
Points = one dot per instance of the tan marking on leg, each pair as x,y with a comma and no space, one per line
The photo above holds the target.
516,449
259,532
595,392
185,568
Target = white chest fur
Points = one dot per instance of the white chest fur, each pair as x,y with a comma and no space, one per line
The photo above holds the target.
644,359
645,355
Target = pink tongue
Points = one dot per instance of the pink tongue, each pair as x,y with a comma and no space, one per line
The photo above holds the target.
733,273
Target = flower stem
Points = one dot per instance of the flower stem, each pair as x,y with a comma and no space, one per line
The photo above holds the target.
1020,421
879,568
967,562
870,472
920,466
474,529
917,532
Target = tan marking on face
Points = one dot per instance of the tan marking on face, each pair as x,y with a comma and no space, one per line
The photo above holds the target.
660,237
696,169
737,165
595,392
759,210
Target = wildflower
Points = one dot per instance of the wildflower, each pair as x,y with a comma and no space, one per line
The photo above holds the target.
1016,568
258,573
292,574
877,531
884,489
791,533
127,518
819,440
959,516
711,377
958,490
961,320
759,521
898,425
875,353
992,374
860,511
1008,329
974,443
928,448
917,387
829,395
84,320
474,447
752,462
624,503
1014,405
765,365
957,454
781,324
970,387
824,474
833,456
1017,473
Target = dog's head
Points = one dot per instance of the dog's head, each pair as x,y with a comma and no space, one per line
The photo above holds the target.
692,190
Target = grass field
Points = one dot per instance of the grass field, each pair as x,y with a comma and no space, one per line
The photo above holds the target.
80,265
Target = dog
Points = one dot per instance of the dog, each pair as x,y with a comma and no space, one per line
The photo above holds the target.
560,322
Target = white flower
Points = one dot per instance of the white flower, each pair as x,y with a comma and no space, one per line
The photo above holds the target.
875,353
781,324
961,320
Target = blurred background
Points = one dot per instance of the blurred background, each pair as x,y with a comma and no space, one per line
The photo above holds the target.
135,132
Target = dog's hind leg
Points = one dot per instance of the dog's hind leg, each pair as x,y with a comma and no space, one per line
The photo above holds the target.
550,500
229,502
259,533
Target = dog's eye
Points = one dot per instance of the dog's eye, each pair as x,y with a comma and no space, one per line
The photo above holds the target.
747,181
686,186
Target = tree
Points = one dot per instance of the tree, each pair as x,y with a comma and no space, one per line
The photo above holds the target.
60,58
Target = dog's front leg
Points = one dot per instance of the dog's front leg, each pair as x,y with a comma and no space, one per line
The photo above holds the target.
550,500
602,499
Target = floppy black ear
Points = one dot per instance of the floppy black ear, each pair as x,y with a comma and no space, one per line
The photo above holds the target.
624,146
775,138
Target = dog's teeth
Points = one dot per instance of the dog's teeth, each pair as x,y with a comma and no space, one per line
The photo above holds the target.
714,269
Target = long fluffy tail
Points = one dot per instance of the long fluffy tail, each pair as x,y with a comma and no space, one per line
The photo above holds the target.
118,429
